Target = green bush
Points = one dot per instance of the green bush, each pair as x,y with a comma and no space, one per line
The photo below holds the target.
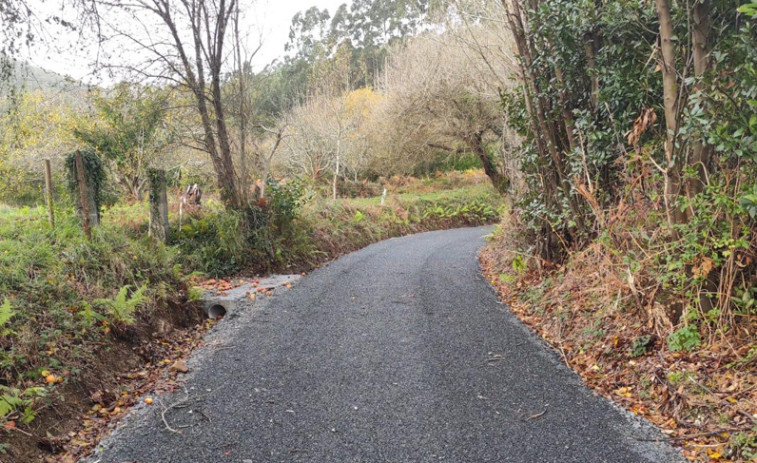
213,243
268,234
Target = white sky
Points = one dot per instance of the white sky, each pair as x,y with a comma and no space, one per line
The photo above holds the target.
270,19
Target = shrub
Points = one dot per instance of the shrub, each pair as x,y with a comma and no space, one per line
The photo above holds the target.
268,234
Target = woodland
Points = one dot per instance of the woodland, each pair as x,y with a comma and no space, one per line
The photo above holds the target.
614,142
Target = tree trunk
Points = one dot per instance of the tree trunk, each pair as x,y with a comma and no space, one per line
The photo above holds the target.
591,61
158,227
336,174
567,116
235,196
49,193
670,104
243,168
477,146
700,157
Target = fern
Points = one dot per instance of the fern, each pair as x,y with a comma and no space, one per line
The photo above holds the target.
121,308
6,313
9,402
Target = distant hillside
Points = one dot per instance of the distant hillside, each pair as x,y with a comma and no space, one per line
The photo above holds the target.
30,77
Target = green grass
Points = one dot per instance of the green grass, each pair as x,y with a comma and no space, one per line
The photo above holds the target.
345,225
51,278
458,194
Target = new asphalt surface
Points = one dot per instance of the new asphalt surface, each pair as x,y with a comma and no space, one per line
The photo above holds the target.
399,352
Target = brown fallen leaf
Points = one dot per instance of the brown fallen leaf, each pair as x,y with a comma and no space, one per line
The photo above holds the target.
97,397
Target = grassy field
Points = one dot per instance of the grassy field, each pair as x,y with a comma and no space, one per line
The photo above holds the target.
74,313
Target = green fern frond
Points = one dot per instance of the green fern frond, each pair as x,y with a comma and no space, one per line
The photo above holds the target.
6,312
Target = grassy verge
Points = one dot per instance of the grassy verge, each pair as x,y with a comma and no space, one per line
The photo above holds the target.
81,321
702,393
344,226
299,230
70,312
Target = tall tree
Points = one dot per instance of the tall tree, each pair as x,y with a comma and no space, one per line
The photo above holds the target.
366,26
700,44
191,52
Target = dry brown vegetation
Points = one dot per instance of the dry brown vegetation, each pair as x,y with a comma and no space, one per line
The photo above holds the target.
595,314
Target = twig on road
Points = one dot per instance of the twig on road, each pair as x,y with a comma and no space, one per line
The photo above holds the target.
537,415
564,357
217,349
523,416
166,409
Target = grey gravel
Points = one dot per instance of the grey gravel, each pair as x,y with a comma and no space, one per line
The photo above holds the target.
399,352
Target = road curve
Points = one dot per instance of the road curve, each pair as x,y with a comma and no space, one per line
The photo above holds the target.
399,352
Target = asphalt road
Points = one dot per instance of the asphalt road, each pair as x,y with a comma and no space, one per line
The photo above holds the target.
400,352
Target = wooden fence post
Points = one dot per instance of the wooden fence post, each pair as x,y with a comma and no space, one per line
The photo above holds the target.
159,227
49,193
83,194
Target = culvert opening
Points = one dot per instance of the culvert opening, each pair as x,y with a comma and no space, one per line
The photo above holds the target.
216,310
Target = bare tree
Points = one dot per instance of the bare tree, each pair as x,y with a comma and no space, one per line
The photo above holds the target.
242,97
185,42
438,100
266,148
314,137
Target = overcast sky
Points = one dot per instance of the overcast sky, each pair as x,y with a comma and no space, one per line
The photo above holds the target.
267,18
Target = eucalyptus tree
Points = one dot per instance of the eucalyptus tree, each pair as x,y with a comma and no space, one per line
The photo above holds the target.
367,27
